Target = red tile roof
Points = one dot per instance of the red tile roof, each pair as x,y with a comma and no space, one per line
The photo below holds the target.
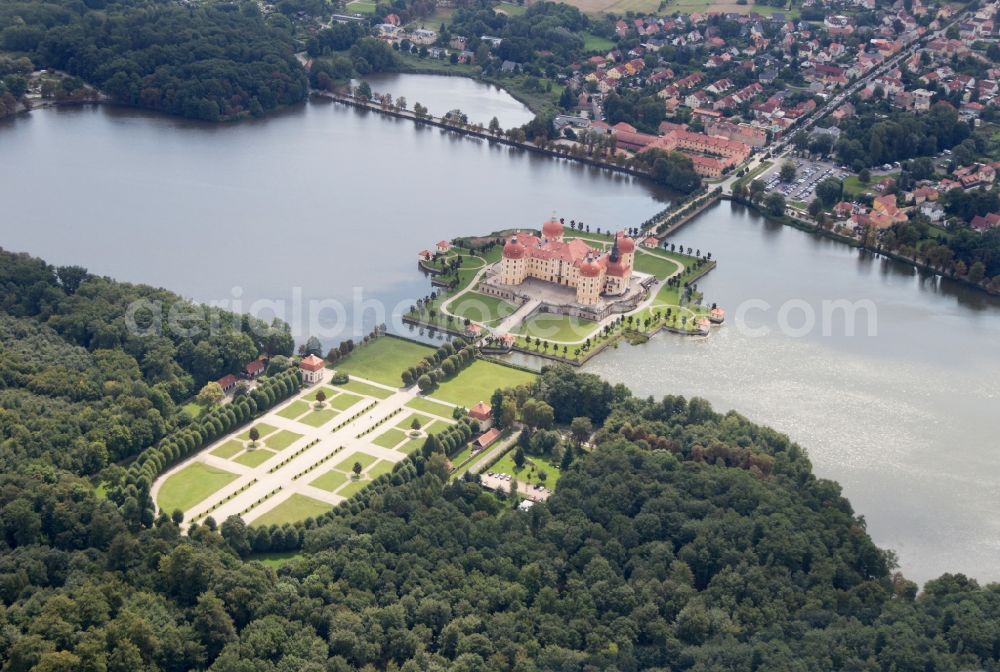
481,411
311,363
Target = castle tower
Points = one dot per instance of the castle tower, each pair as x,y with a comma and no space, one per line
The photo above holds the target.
626,247
514,267
552,230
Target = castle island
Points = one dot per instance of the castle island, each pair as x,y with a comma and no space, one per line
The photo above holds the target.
563,289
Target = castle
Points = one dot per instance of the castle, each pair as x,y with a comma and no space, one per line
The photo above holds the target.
572,263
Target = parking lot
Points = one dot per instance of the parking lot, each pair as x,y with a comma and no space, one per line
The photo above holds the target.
808,174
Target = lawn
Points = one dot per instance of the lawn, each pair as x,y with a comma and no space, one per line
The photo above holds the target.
330,481
853,186
354,487
193,409
347,464
328,391
228,449
597,43
262,427
255,458
654,264
296,507
360,7
432,407
379,468
552,327
408,422
481,308
190,485
390,438
366,389
282,440
384,360
510,9
344,401
478,382
276,560
529,472
411,445
294,409
318,418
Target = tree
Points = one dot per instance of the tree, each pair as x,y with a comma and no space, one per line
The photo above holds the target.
364,89
977,271
581,428
815,207
425,384
519,458
537,414
774,203
212,623
865,176
254,435
415,425
829,191
357,469
788,172
320,398
210,395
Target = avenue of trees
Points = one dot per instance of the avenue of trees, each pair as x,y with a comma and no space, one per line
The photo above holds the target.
204,61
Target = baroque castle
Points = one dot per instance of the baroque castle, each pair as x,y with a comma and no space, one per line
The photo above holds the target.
572,263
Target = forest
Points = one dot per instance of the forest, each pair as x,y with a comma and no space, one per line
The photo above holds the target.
678,538
86,376
873,139
211,61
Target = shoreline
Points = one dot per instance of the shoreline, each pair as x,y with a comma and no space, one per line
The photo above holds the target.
817,230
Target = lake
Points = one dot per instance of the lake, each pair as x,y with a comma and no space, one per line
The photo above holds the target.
329,204
904,417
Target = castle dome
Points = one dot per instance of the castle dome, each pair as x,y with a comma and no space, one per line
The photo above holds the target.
589,269
625,244
616,268
552,228
513,249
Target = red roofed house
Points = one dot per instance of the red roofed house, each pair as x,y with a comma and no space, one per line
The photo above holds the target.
312,369
443,246
487,438
254,369
482,412
227,383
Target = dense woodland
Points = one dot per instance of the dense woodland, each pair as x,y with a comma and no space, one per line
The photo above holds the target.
682,540
204,61
79,389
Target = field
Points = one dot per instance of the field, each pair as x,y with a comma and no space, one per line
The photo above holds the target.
479,381
551,327
318,418
344,401
354,487
294,409
254,458
429,406
190,485
281,440
263,428
647,262
330,481
276,560
529,473
228,449
347,465
296,507
597,43
481,308
366,389
390,438
384,360
360,7
407,422
510,8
